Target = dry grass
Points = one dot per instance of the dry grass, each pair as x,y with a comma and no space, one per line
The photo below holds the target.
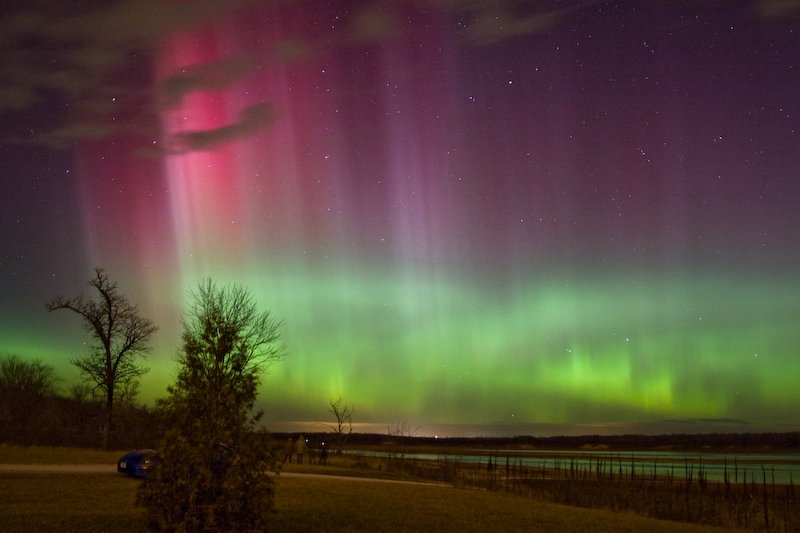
757,504
356,505
104,502
56,455
68,502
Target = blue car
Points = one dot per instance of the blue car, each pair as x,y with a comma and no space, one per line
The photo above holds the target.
137,463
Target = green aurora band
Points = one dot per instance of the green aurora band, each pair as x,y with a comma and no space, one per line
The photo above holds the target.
586,351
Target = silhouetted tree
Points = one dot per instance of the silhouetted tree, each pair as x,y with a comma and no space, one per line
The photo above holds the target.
401,430
24,386
122,336
344,422
83,398
212,469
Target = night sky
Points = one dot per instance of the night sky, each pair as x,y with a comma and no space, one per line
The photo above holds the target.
519,218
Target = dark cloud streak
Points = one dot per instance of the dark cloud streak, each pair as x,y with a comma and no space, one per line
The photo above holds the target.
250,120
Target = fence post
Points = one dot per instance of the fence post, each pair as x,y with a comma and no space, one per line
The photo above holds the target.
764,486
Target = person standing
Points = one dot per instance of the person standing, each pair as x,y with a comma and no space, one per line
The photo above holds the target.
300,449
323,457
289,451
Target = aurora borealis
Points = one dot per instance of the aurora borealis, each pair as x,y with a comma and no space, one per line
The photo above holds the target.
531,217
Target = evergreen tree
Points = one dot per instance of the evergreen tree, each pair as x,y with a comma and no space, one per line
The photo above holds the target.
212,467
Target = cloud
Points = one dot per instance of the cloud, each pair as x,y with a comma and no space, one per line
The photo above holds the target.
139,22
86,65
87,68
66,135
495,26
372,24
251,119
485,23
203,77
16,96
778,8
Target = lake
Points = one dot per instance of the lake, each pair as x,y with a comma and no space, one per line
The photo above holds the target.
779,467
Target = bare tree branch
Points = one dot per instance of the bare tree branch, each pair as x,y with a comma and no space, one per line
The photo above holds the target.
344,422
122,336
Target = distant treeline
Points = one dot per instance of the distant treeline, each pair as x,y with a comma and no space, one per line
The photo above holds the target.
54,420
33,411
773,441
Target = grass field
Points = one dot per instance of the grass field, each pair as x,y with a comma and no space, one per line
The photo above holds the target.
105,502
10,453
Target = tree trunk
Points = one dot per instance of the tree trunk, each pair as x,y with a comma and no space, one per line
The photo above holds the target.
109,407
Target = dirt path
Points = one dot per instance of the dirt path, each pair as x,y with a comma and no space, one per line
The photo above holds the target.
112,469
354,478
60,468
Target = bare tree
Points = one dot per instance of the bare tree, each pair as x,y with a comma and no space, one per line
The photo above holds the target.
401,429
122,336
83,396
128,392
399,433
344,422
23,388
